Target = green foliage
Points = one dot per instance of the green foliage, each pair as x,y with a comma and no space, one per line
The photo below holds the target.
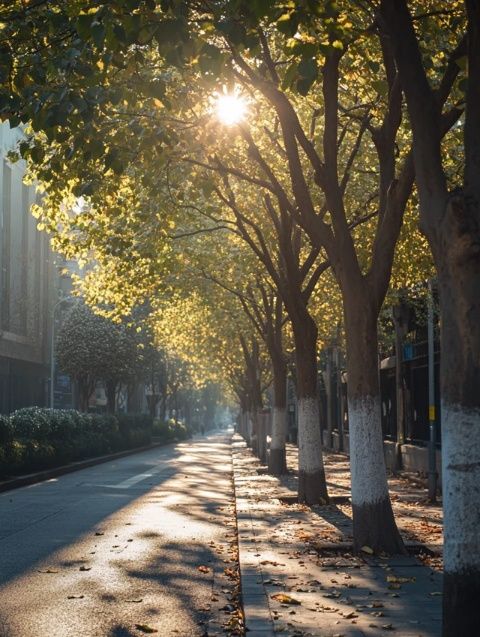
6,431
117,105
92,348
36,438
170,431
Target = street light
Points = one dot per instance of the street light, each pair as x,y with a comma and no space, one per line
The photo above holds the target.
64,299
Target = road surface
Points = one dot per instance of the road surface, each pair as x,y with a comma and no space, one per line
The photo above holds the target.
114,550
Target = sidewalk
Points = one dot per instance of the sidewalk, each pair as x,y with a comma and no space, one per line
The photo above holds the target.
298,576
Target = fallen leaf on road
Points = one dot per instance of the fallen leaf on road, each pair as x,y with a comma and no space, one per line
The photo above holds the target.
285,599
145,629
99,533
393,579
367,549
49,570
203,569
75,596
85,568
349,615
134,601
229,572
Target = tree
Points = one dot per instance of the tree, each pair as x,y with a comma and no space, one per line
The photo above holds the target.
308,167
450,218
91,348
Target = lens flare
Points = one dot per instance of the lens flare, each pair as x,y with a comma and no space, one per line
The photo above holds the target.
231,109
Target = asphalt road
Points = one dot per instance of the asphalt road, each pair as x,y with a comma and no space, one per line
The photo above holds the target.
107,549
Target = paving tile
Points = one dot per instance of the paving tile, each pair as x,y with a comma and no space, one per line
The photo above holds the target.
275,557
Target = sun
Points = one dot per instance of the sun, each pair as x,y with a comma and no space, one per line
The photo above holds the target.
230,108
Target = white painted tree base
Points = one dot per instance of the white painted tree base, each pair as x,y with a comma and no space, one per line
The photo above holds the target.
461,488
279,428
309,440
367,461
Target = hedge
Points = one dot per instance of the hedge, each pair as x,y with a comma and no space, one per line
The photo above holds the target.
36,438
171,431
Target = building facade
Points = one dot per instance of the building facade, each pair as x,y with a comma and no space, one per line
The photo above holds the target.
27,288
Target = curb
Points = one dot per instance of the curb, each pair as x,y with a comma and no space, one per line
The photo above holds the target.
255,602
48,474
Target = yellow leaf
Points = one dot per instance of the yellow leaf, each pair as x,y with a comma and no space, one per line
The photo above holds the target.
399,580
145,629
283,598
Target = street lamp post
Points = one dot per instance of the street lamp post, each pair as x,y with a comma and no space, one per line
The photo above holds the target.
52,347
432,416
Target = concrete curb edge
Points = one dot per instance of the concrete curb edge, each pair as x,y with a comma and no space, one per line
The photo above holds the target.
54,472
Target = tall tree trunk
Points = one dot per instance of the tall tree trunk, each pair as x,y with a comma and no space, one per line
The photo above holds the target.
162,411
111,391
251,435
84,393
277,463
262,436
373,521
312,486
457,257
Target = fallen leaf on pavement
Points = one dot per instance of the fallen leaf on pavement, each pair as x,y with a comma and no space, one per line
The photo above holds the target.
145,629
49,570
393,579
285,599
203,569
75,596
367,549
85,568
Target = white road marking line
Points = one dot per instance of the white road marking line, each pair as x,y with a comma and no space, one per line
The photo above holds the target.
129,482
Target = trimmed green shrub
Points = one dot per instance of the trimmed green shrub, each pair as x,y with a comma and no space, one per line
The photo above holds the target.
32,423
135,429
36,438
171,431
6,431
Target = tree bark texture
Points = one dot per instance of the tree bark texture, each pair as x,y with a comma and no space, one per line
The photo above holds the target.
312,486
458,266
373,521
277,464
451,222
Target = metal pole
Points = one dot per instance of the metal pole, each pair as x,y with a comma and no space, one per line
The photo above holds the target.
432,457
339,397
399,382
328,391
52,357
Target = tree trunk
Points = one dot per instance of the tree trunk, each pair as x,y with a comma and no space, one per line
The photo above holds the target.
261,437
277,464
312,486
458,267
111,391
252,434
373,521
162,412
134,397
84,393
